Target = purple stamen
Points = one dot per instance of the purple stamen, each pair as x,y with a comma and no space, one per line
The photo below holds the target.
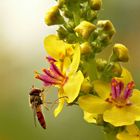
120,97
50,59
50,74
113,88
119,88
128,90
47,80
55,70
116,88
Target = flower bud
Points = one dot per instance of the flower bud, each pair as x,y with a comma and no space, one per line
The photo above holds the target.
62,33
120,53
101,64
107,27
86,86
84,29
116,69
95,4
91,15
71,38
53,16
70,25
85,48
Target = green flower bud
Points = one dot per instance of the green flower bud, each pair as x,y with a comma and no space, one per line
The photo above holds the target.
95,4
101,64
107,26
91,15
53,16
71,38
70,25
84,29
120,53
86,86
116,69
62,33
85,48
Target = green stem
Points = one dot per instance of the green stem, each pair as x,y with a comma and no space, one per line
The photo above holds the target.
74,6
91,69
76,18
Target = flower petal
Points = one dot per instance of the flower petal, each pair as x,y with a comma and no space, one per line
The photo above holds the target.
119,116
72,86
131,132
133,129
90,117
93,104
135,110
61,103
135,98
66,64
102,88
54,47
126,76
75,60
125,136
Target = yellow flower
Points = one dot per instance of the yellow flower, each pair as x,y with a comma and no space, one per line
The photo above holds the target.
131,132
63,72
118,102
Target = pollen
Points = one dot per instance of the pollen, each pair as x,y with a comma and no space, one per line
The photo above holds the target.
131,85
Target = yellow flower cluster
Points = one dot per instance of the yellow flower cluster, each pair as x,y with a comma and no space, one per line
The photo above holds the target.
103,89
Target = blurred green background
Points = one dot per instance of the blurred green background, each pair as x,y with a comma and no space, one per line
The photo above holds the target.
22,30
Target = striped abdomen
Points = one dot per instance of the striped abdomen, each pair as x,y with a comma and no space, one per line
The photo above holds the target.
41,118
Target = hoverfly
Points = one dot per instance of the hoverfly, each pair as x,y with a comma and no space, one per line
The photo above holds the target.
36,101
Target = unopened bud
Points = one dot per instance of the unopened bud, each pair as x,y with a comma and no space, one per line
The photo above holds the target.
107,27
91,15
85,48
71,38
53,16
116,69
120,53
86,86
85,28
101,64
62,33
95,4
